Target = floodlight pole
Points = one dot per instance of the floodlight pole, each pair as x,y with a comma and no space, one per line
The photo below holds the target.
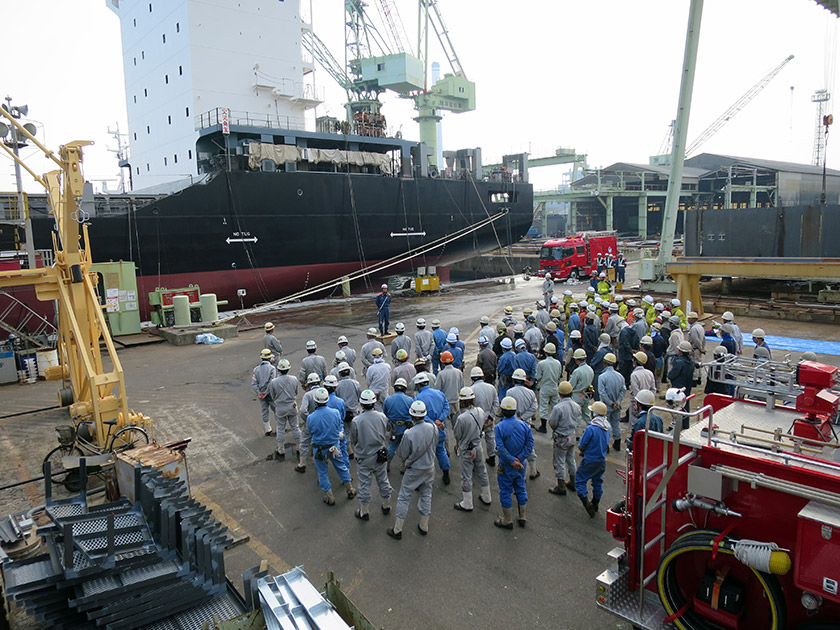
15,141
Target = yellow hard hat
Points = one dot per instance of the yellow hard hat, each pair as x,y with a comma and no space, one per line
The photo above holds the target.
565,388
598,408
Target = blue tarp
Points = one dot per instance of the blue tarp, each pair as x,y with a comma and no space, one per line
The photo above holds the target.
791,343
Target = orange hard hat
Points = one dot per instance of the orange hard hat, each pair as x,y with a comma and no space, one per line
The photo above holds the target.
446,357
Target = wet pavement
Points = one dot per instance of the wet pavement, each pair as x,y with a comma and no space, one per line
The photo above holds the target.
465,573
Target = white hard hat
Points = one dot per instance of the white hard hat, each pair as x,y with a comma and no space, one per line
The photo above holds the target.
645,397
384,286
421,379
550,349
340,355
554,300
761,352
590,289
541,303
400,382
631,302
484,320
454,331
648,299
483,341
619,298
466,393
758,332
602,275
591,308
313,378
720,351
342,339
367,397
283,365
476,372
507,343
518,329
330,380
613,306
322,396
638,312
666,314
435,323
519,375
519,343
417,409
583,303
269,326
674,319
646,340
659,306
574,306
728,316
400,327
675,395
580,353
808,356
420,322
343,367
372,332
675,302
508,403
310,345
575,334
684,346
567,292
451,338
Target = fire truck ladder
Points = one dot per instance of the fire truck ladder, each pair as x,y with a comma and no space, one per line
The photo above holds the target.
659,499
36,336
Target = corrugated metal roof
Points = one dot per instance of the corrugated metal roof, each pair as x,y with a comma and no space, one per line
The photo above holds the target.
831,5
689,172
773,165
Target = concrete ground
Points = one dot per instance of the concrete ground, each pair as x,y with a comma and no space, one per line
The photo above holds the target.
465,573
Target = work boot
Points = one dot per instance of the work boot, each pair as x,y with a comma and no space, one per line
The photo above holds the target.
490,461
542,428
595,503
485,497
351,491
559,489
533,473
505,521
386,505
570,484
522,518
362,512
329,497
396,530
466,504
267,429
616,445
301,465
587,505
445,477
423,525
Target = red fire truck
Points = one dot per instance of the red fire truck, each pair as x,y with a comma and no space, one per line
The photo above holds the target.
577,255
734,521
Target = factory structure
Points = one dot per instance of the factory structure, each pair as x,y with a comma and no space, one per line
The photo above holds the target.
630,198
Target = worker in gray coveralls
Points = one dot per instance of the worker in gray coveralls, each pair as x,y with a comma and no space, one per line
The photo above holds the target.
469,426
369,435
417,450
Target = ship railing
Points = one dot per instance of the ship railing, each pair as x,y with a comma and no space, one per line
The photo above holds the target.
248,119
10,208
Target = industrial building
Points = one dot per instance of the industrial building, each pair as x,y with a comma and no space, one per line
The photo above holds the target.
630,198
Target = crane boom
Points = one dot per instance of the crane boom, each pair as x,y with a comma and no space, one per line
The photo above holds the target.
391,18
442,33
736,107
319,51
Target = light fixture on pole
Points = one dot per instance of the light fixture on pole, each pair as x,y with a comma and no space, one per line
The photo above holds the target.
14,139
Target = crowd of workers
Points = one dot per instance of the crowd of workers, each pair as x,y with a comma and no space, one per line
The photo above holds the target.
565,366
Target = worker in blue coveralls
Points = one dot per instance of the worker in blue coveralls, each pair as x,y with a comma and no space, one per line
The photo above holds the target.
326,424
505,367
593,447
514,443
440,344
396,408
437,410
383,307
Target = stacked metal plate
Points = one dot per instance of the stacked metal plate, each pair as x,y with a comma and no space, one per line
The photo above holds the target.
291,602
123,565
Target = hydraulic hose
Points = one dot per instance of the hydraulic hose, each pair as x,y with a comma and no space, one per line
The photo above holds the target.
675,602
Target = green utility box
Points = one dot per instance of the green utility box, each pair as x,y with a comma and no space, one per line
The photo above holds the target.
118,295
163,309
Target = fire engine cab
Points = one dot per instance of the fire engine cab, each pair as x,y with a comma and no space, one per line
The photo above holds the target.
576,255
732,520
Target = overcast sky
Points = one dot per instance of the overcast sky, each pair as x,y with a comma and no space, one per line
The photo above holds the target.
601,76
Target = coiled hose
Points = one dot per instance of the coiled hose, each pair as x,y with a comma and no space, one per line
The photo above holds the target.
674,601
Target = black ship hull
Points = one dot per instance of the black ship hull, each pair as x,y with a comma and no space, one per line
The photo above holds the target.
274,234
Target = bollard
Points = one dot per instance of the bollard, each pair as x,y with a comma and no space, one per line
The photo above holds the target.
209,307
345,286
182,309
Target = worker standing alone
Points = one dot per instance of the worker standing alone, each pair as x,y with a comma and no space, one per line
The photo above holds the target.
383,309
369,436
548,288
514,443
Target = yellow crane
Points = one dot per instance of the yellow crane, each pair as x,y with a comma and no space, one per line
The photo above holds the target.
93,392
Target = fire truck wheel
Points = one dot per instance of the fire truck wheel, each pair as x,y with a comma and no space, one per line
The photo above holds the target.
673,599
573,275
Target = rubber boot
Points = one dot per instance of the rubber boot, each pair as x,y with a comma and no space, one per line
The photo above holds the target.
267,429
570,484
542,428
595,503
505,521
301,465
362,513
423,525
386,505
485,497
396,530
587,506
559,489
445,477
490,461
522,518
533,473
616,445
351,491
329,497
466,504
